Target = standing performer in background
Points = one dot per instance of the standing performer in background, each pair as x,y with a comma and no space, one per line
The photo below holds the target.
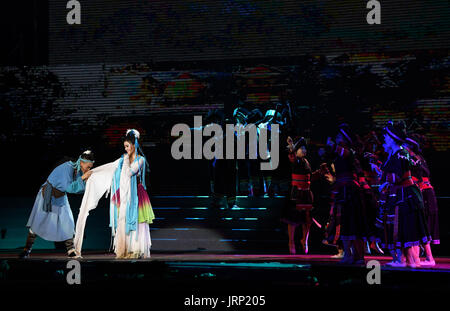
51,217
299,203
371,166
248,169
347,212
405,224
421,177
365,179
274,115
131,210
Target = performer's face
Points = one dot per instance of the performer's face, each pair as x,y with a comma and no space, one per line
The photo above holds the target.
85,166
301,152
129,147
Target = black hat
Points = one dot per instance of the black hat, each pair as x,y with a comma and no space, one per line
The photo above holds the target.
397,131
344,129
414,140
255,116
272,116
241,114
299,142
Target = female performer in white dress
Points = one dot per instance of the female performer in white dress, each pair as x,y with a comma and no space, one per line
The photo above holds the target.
131,211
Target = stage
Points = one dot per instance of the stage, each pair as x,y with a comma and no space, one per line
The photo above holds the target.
258,122
204,251
238,274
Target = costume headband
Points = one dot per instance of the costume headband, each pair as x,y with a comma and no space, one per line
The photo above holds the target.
135,132
86,160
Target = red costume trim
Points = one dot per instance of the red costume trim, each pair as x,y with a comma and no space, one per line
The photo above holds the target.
302,182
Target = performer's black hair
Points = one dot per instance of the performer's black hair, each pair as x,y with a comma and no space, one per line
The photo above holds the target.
129,138
88,156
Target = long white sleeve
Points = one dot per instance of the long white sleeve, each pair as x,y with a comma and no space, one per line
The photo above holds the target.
132,169
96,186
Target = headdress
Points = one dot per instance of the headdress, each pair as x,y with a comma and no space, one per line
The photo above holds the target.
299,142
344,129
76,165
396,131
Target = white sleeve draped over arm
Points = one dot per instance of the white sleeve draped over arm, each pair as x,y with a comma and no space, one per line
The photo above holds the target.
132,169
96,186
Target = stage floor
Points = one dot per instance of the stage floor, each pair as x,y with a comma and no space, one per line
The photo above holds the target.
171,279
442,263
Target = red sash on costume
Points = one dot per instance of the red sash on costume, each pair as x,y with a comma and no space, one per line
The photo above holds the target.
423,184
363,183
301,181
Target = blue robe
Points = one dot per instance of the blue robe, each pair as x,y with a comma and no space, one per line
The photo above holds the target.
58,224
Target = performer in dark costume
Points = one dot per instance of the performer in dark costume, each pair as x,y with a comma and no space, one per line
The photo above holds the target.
421,177
405,224
277,114
51,217
248,169
322,186
215,166
367,177
222,171
372,152
348,213
299,201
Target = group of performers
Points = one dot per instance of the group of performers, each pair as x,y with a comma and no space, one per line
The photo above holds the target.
380,198
131,211
227,175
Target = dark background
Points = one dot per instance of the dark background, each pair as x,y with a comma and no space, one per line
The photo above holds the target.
150,65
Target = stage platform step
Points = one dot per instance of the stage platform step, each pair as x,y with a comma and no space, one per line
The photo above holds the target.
182,224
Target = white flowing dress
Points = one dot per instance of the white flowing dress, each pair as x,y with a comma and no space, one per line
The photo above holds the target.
136,244
125,246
